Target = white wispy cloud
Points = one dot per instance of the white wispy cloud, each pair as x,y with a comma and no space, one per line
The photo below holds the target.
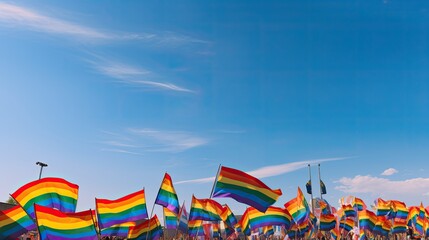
14,16
170,141
132,75
273,170
383,186
389,171
117,150
138,141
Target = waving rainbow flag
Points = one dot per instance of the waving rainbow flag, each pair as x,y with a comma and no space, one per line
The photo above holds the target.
49,192
195,228
298,208
170,219
149,229
54,224
244,223
205,209
14,222
245,188
273,216
349,211
347,224
383,207
120,230
398,210
359,204
228,217
367,220
327,222
126,209
167,196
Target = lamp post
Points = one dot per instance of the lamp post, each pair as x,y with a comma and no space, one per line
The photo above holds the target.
42,165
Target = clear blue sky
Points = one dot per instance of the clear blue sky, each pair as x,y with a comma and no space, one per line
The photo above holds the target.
113,94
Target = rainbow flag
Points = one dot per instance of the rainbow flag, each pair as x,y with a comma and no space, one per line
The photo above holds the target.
349,211
244,223
205,209
49,192
383,207
298,208
15,222
170,219
359,204
167,196
195,228
413,212
347,224
398,210
327,222
129,208
120,230
367,220
228,217
216,230
382,226
335,234
54,224
273,216
268,231
245,188
183,221
399,226
149,229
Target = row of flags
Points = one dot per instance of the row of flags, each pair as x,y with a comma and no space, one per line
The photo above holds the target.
49,205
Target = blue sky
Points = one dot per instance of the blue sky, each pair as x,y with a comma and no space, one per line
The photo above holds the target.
113,94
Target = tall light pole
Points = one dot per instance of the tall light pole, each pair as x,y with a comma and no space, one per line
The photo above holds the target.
42,165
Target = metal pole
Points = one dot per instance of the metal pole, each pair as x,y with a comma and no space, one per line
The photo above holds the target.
320,184
42,165
312,202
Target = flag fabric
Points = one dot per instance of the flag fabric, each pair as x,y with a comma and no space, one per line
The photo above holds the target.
298,208
308,187
170,219
327,222
359,204
129,208
322,187
335,234
195,228
398,210
148,230
347,224
119,230
54,224
228,217
245,188
378,227
167,196
245,222
15,222
268,231
273,216
413,212
367,220
183,220
205,209
399,226
49,192
348,210
383,207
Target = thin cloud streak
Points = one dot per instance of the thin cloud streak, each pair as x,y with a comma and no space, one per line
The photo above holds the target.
23,17
274,170
170,141
117,150
15,16
131,75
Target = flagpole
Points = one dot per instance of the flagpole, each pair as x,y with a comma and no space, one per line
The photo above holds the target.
151,213
179,216
320,181
215,181
98,225
311,193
